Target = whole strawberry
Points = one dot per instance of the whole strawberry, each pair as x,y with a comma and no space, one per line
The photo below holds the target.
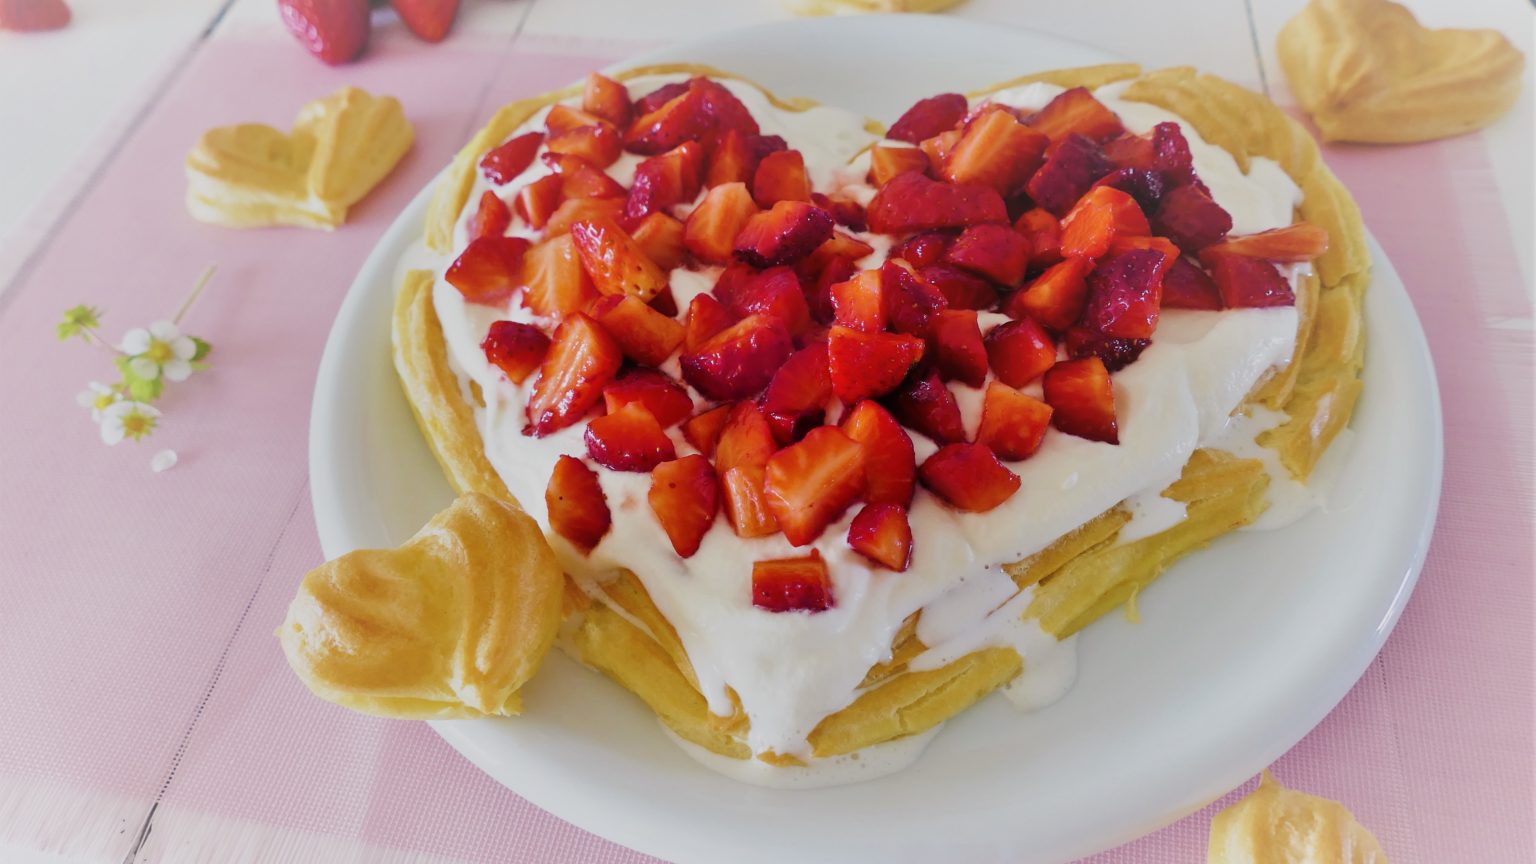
429,19
333,30
32,15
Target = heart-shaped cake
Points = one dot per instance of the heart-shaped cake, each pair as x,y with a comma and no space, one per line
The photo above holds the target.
836,430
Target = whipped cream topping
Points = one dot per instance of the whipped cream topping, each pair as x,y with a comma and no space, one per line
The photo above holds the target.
790,670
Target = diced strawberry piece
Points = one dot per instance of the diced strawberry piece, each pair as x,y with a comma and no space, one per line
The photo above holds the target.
666,399
784,234
1171,253
1043,231
995,251
661,239
1012,424
1295,243
738,361
996,150
516,349
1071,168
539,200
741,458
1082,399
735,156
582,359
685,495
1116,352
1185,286
608,99
1189,217
774,292
645,335
1055,298
666,180
929,117
664,302
811,483
886,162
845,211
578,209
961,290
912,202
706,317
1097,219
615,261
798,393
1171,156
910,303
937,149
1145,186
818,295
781,176
958,352
859,302
578,510
487,269
556,283
792,584
563,118
1248,283
1020,351
1075,111
746,440
922,250
890,466
512,158
580,178
925,405
839,246
1131,151
881,533
725,111
969,477
492,217
599,144
658,97
703,430
629,439
865,365
711,229
682,118
1125,293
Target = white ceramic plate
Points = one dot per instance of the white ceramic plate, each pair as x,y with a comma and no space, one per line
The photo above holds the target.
1242,648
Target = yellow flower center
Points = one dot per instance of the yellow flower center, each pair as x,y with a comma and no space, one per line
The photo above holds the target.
137,425
103,401
159,351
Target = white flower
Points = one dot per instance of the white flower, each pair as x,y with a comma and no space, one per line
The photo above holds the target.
97,397
160,349
163,461
127,420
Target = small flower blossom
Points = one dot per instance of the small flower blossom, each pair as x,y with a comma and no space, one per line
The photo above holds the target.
127,419
97,397
163,461
161,349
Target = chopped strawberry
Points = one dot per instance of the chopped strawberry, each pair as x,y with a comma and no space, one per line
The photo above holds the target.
580,178
514,348
741,458
1055,298
890,467
739,361
685,495
1145,186
512,158
608,99
958,352
864,365
1012,424
582,359
922,250
703,430
576,210
1020,351
428,19
1131,151
539,200
818,295
564,118
995,251
629,439
839,246
682,118
492,217
925,405
1082,399
774,292
645,335
996,150
746,439
910,303
1189,217
615,261
1171,155
666,399
599,144
859,302
1043,231
661,239
779,177
798,394
486,271
881,533
792,584
731,160
1097,219
912,202
706,317
1185,286
886,162
1247,283
1071,168
1076,111
1170,252
658,97
1295,243
961,290
578,510
1116,352
724,110
969,477
937,149
556,283
664,301
1125,293
845,211
711,229
784,234
929,117
811,483
666,180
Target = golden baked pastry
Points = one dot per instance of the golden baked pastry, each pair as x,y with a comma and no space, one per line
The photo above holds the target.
451,624
251,175
1367,71
1276,825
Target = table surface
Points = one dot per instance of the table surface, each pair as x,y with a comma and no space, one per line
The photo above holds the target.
149,714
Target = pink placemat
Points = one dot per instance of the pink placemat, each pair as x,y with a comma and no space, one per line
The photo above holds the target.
147,705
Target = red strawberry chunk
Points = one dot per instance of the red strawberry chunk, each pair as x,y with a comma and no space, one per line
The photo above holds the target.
666,180
666,399
840,246
661,239
845,211
741,458
887,162
864,365
910,303
958,352
1294,243
711,229
1125,294
703,430
1247,283
792,584
1185,286
912,202
746,504
645,335
1171,156
1012,423
1020,351
581,209
922,250
969,477
492,217
539,200
1082,399
556,283
925,405
784,234
1116,353
881,533
599,144
1076,111
629,439
615,261
731,160
811,483
859,302
580,178
1189,217
774,292
890,466
682,118
937,149
578,510
725,111
563,118
487,269
1043,231
608,99
1055,298
512,158
685,495
1145,186
995,150
929,117
515,348
1071,168
582,359
739,361
995,251
706,317
659,97
819,295
961,290
1132,151
798,393
1097,219
780,176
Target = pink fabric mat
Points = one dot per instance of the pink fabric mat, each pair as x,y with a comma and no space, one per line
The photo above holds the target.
136,610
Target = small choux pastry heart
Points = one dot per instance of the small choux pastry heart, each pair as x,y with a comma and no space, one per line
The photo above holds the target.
1367,71
451,624
1275,825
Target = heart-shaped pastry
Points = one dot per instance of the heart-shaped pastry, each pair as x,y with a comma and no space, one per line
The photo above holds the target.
1276,824
251,175
1367,71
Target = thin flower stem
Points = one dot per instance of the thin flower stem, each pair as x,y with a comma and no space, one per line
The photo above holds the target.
94,338
197,290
